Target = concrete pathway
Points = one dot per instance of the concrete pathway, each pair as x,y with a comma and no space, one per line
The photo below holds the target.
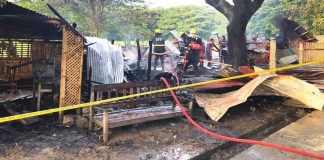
306,134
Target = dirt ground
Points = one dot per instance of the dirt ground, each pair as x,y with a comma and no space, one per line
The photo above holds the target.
167,139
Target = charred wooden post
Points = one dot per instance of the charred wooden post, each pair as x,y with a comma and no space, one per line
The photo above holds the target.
273,48
91,109
139,58
149,61
89,81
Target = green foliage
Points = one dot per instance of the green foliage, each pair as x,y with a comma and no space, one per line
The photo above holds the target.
205,20
131,23
260,22
35,5
308,13
120,20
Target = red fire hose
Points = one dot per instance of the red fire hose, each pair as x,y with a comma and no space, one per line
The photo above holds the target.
247,141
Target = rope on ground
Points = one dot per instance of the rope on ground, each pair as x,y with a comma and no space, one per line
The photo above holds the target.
83,105
226,138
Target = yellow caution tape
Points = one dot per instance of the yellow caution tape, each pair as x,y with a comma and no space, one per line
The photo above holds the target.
61,109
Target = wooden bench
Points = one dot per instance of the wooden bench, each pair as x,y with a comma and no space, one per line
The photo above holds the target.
131,111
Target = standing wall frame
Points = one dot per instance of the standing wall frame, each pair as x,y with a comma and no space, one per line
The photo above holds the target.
71,70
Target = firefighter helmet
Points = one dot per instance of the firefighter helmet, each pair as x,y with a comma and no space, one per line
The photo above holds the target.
158,31
193,31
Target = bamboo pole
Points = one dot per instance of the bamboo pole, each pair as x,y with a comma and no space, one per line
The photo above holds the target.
273,48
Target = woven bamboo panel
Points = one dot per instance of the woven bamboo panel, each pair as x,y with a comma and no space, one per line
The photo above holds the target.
71,68
320,38
314,51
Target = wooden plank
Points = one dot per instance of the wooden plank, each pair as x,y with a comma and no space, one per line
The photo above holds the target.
98,122
132,102
301,53
150,89
63,73
79,111
145,119
273,48
105,87
140,116
105,127
138,90
124,92
39,96
109,94
191,107
91,110
26,121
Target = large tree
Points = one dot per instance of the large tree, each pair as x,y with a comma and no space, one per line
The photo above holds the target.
238,14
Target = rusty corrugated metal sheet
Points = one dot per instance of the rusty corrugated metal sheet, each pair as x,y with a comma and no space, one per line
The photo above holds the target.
216,105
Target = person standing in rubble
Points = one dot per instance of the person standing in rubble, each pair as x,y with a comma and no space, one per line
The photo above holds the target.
223,47
209,50
196,50
159,50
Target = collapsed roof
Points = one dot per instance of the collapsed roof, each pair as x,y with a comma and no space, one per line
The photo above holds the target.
292,28
21,23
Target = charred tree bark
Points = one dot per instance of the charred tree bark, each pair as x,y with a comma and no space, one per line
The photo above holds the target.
238,16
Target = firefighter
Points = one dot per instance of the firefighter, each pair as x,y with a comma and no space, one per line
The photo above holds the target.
195,52
209,50
159,50
195,38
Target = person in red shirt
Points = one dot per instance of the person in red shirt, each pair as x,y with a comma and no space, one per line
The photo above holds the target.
209,50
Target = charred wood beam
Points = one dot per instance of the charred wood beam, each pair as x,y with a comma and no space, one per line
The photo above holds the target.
138,53
27,63
149,61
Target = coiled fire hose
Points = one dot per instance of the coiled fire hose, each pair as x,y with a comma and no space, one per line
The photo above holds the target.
247,141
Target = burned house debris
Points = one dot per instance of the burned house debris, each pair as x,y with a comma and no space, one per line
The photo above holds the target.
38,51
115,104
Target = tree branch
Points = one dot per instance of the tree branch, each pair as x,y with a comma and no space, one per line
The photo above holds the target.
256,4
222,6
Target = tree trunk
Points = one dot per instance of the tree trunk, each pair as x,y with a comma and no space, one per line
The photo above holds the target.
238,16
237,40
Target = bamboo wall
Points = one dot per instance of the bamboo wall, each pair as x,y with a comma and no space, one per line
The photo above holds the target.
313,51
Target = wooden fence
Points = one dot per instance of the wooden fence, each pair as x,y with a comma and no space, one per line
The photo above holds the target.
312,51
